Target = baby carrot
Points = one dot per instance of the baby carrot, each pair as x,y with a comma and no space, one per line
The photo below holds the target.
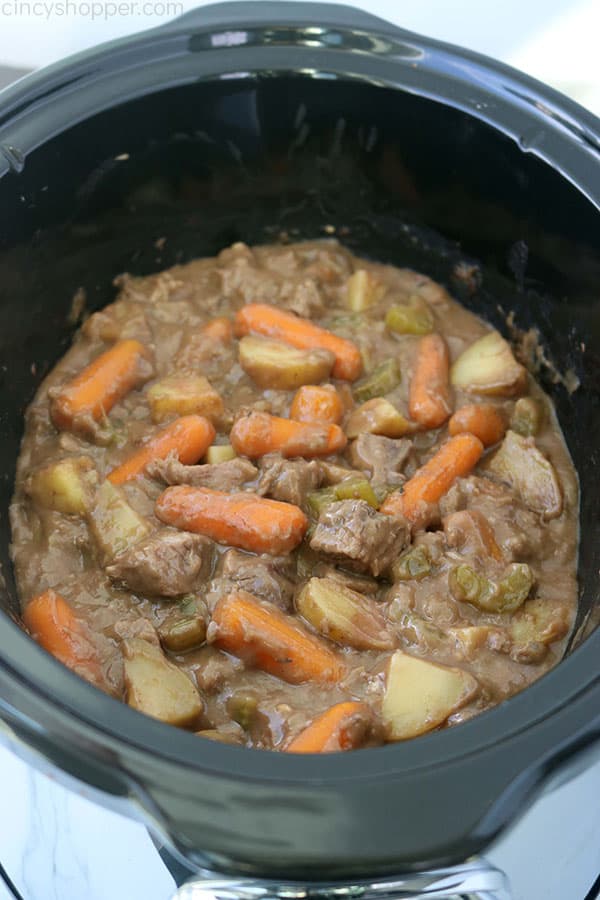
220,329
429,396
242,520
92,394
453,460
188,437
341,727
481,419
258,433
314,403
263,636
53,624
259,318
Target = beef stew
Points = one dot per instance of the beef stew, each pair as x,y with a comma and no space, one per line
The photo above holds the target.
296,500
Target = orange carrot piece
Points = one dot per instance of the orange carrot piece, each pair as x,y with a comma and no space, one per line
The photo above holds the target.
429,395
220,329
481,419
341,727
258,433
259,318
189,437
242,520
53,624
264,637
456,458
318,404
92,394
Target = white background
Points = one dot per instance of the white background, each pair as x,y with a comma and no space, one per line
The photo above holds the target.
554,40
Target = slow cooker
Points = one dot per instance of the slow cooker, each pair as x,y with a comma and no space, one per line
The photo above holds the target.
270,121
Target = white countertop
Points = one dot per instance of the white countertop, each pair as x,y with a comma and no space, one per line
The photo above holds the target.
56,845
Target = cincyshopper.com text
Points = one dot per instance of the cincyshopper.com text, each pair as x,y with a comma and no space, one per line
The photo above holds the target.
88,9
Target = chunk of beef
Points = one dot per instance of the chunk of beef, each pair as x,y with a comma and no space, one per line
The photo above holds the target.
213,669
468,531
289,480
118,321
362,584
384,458
354,534
267,577
302,297
125,629
519,463
225,476
516,529
168,564
333,474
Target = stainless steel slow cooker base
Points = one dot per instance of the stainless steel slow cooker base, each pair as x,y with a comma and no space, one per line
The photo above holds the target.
474,880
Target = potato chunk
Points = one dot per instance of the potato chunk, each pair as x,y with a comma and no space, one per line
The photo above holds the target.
219,453
537,625
420,695
116,526
279,366
184,395
64,486
378,416
488,367
533,477
363,289
156,687
343,615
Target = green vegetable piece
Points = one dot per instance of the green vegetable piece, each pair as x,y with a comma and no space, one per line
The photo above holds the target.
505,596
356,489
243,708
381,381
466,585
412,318
515,586
415,564
418,631
347,322
527,417
182,633
318,501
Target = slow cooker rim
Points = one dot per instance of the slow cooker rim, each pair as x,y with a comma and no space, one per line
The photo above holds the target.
66,691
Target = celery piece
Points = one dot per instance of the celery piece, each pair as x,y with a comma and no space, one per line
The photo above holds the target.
381,381
242,706
356,489
506,595
415,564
318,501
182,633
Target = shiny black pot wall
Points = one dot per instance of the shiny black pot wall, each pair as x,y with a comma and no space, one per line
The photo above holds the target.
251,122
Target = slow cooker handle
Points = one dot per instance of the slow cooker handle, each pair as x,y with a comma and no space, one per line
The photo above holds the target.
237,15
475,880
